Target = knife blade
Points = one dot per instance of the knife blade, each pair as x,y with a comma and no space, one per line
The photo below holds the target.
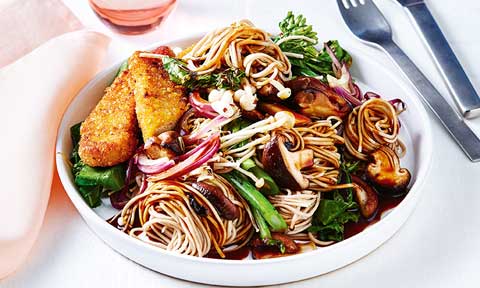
462,90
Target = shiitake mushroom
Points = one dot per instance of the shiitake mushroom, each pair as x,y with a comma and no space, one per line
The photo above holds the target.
316,99
365,196
215,195
385,173
284,166
168,144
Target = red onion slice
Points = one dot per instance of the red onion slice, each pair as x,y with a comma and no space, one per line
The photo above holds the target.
203,107
216,122
336,66
194,150
194,160
347,96
182,125
119,199
149,166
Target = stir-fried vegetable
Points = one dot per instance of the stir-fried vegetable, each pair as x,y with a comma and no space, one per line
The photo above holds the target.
269,187
263,229
256,200
297,40
180,74
93,183
332,214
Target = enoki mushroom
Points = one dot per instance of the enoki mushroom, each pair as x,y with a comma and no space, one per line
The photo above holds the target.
296,208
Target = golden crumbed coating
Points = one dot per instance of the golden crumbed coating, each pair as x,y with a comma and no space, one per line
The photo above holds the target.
109,134
159,102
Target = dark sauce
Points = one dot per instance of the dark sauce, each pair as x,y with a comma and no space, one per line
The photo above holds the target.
385,203
114,220
267,252
238,254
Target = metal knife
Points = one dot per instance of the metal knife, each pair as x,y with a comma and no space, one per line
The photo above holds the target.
452,72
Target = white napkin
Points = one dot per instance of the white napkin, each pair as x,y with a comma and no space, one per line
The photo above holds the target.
35,92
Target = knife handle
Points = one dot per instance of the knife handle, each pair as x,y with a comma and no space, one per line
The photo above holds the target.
457,127
450,68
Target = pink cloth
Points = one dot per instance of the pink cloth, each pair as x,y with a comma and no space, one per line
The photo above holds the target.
35,91
26,24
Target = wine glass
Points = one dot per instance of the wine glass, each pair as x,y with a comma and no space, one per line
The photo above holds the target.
132,16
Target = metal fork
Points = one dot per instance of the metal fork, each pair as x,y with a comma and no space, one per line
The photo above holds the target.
369,25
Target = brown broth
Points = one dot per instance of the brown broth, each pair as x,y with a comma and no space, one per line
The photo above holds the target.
238,254
385,204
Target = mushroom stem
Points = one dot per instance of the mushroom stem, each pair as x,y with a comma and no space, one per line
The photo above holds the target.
302,158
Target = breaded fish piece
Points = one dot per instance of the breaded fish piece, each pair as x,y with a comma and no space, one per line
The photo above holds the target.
159,102
109,134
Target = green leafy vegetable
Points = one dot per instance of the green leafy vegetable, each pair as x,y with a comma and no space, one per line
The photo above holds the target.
179,73
110,178
92,182
75,136
270,187
264,231
300,48
330,217
123,67
256,200
332,214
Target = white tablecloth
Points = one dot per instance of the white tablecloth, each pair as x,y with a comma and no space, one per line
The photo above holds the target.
437,247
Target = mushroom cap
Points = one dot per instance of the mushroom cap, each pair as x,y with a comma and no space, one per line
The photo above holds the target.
284,166
317,99
365,196
385,173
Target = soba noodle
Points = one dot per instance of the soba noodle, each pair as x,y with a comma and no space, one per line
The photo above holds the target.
296,208
321,136
173,215
371,125
163,216
245,47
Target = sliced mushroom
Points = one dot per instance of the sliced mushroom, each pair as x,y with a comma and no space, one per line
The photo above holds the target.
284,166
316,99
290,245
268,93
272,108
365,197
271,248
253,115
385,173
168,144
215,195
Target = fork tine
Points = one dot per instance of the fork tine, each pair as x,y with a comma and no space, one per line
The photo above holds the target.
353,3
369,4
343,4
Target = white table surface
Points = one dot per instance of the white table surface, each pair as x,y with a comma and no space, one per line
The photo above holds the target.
437,247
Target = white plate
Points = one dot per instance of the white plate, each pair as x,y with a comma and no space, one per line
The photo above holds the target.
415,132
